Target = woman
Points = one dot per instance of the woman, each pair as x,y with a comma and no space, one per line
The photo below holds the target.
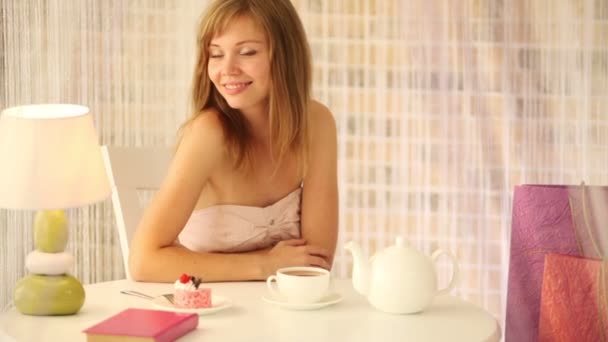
252,186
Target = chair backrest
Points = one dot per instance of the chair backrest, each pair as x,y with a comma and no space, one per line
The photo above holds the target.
132,169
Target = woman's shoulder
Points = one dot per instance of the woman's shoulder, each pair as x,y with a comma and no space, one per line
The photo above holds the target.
206,127
202,139
319,111
321,118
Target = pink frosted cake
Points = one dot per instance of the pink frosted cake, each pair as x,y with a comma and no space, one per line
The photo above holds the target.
189,294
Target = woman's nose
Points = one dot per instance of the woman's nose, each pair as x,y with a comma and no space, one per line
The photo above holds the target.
230,66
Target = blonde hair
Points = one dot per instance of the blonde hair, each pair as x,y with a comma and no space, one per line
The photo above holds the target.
290,73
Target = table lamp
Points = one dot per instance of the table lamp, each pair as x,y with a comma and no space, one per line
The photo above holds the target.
51,161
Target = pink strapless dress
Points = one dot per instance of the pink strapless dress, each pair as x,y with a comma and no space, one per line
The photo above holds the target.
240,228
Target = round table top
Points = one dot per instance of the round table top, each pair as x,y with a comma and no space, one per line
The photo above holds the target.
250,318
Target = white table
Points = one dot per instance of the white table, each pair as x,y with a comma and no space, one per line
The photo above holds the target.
252,319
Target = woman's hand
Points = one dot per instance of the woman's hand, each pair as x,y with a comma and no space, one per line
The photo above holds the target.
295,252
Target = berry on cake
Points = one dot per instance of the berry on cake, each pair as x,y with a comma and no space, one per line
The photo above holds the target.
189,293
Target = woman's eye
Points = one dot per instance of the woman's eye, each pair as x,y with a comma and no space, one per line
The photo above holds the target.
215,53
248,52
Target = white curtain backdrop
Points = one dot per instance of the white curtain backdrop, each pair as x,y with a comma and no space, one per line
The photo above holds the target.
442,107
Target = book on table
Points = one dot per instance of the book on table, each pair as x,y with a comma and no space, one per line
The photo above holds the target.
142,325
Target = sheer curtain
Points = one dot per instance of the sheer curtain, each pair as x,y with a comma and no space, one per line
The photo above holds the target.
442,107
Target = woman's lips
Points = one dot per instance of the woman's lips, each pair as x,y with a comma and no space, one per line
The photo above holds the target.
234,88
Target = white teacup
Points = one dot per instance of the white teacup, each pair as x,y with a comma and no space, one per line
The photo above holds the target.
300,285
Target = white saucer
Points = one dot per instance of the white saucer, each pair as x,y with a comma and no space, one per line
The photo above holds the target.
328,300
218,303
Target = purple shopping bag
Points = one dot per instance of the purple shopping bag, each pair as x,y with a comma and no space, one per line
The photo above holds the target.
570,220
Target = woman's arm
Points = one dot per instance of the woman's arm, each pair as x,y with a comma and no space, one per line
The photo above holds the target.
320,193
154,256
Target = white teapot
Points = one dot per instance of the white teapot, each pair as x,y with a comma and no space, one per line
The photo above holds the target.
398,279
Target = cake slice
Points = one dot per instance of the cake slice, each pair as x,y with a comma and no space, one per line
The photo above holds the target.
188,293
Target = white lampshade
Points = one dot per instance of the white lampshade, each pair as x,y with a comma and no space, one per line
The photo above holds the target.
50,158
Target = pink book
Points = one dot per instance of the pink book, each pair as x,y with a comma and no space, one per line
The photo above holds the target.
142,325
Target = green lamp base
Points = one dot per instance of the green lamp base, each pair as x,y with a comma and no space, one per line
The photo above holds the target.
44,295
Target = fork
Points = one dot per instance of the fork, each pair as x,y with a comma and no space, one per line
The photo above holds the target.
168,296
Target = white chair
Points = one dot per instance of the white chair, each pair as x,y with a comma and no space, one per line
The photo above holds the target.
132,169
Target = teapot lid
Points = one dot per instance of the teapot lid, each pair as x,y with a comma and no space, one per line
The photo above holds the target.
400,241
401,246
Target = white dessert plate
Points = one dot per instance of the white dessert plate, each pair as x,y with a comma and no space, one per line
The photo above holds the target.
218,303
330,299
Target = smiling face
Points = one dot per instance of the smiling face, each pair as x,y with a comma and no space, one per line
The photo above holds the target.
239,65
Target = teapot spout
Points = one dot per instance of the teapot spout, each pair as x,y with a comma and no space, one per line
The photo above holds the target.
361,268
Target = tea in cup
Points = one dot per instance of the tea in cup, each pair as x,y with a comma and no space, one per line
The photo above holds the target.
300,285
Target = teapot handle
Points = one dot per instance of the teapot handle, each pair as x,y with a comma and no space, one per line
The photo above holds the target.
455,271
